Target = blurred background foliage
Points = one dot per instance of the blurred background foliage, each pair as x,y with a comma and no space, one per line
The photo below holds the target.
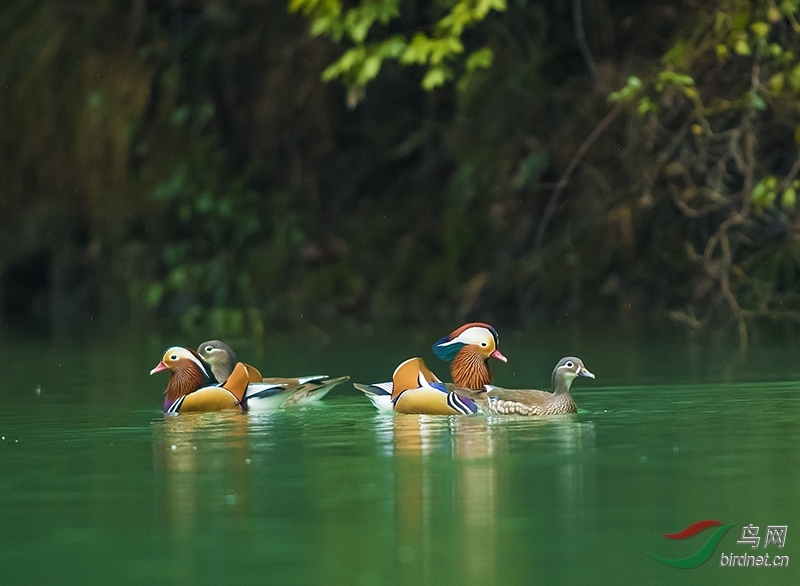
231,165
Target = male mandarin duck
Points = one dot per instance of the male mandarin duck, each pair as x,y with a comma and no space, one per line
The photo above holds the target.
467,349
192,385
531,402
415,389
301,390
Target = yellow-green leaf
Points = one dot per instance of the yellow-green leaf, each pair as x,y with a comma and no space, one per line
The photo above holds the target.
435,77
742,48
481,58
369,69
776,82
789,198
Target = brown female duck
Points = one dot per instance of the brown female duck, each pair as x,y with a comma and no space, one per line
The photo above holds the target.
531,402
302,390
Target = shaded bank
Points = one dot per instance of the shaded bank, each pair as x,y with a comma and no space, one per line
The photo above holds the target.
185,161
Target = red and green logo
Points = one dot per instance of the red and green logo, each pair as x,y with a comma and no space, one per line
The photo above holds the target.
701,555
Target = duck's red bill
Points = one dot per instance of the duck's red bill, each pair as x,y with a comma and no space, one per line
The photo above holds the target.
497,354
161,366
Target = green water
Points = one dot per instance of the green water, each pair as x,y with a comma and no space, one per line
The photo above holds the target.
98,487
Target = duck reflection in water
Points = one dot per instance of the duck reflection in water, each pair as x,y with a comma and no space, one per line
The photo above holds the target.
452,486
446,493
189,453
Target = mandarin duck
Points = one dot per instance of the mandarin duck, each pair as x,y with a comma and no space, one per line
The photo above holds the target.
192,385
301,390
467,349
530,402
415,389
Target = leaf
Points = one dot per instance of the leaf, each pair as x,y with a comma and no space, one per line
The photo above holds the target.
775,50
757,101
531,169
180,115
634,82
358,30
435,77
789,198
482,58
417,51
628,92
646,105
742,48
320,25
443,48
763,194
392,47
155,292
370,68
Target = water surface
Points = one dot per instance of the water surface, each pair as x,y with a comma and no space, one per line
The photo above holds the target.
98,487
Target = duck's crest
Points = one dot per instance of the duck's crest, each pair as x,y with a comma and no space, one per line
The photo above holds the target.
447,348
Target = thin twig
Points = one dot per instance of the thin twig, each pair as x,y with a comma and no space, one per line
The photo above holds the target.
580,37
791,176
573,164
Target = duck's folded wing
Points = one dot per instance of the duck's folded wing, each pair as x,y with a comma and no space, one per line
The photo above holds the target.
214,398
307,389
380,394
379,389
517,401
265,396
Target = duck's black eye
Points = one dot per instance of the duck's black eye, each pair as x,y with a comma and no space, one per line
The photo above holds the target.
173,357
484,344
569,364
209,348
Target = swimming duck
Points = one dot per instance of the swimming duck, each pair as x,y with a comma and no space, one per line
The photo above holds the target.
415,389
301,390
531,402
192,386
467,349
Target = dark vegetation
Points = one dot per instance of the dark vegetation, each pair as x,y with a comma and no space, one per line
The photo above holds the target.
185,161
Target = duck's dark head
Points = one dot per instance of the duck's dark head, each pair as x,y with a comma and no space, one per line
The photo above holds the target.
468,350
481,338
220,357
566,371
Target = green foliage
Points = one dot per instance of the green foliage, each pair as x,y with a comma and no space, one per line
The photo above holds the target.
765,193
365,27
190,161
628,92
